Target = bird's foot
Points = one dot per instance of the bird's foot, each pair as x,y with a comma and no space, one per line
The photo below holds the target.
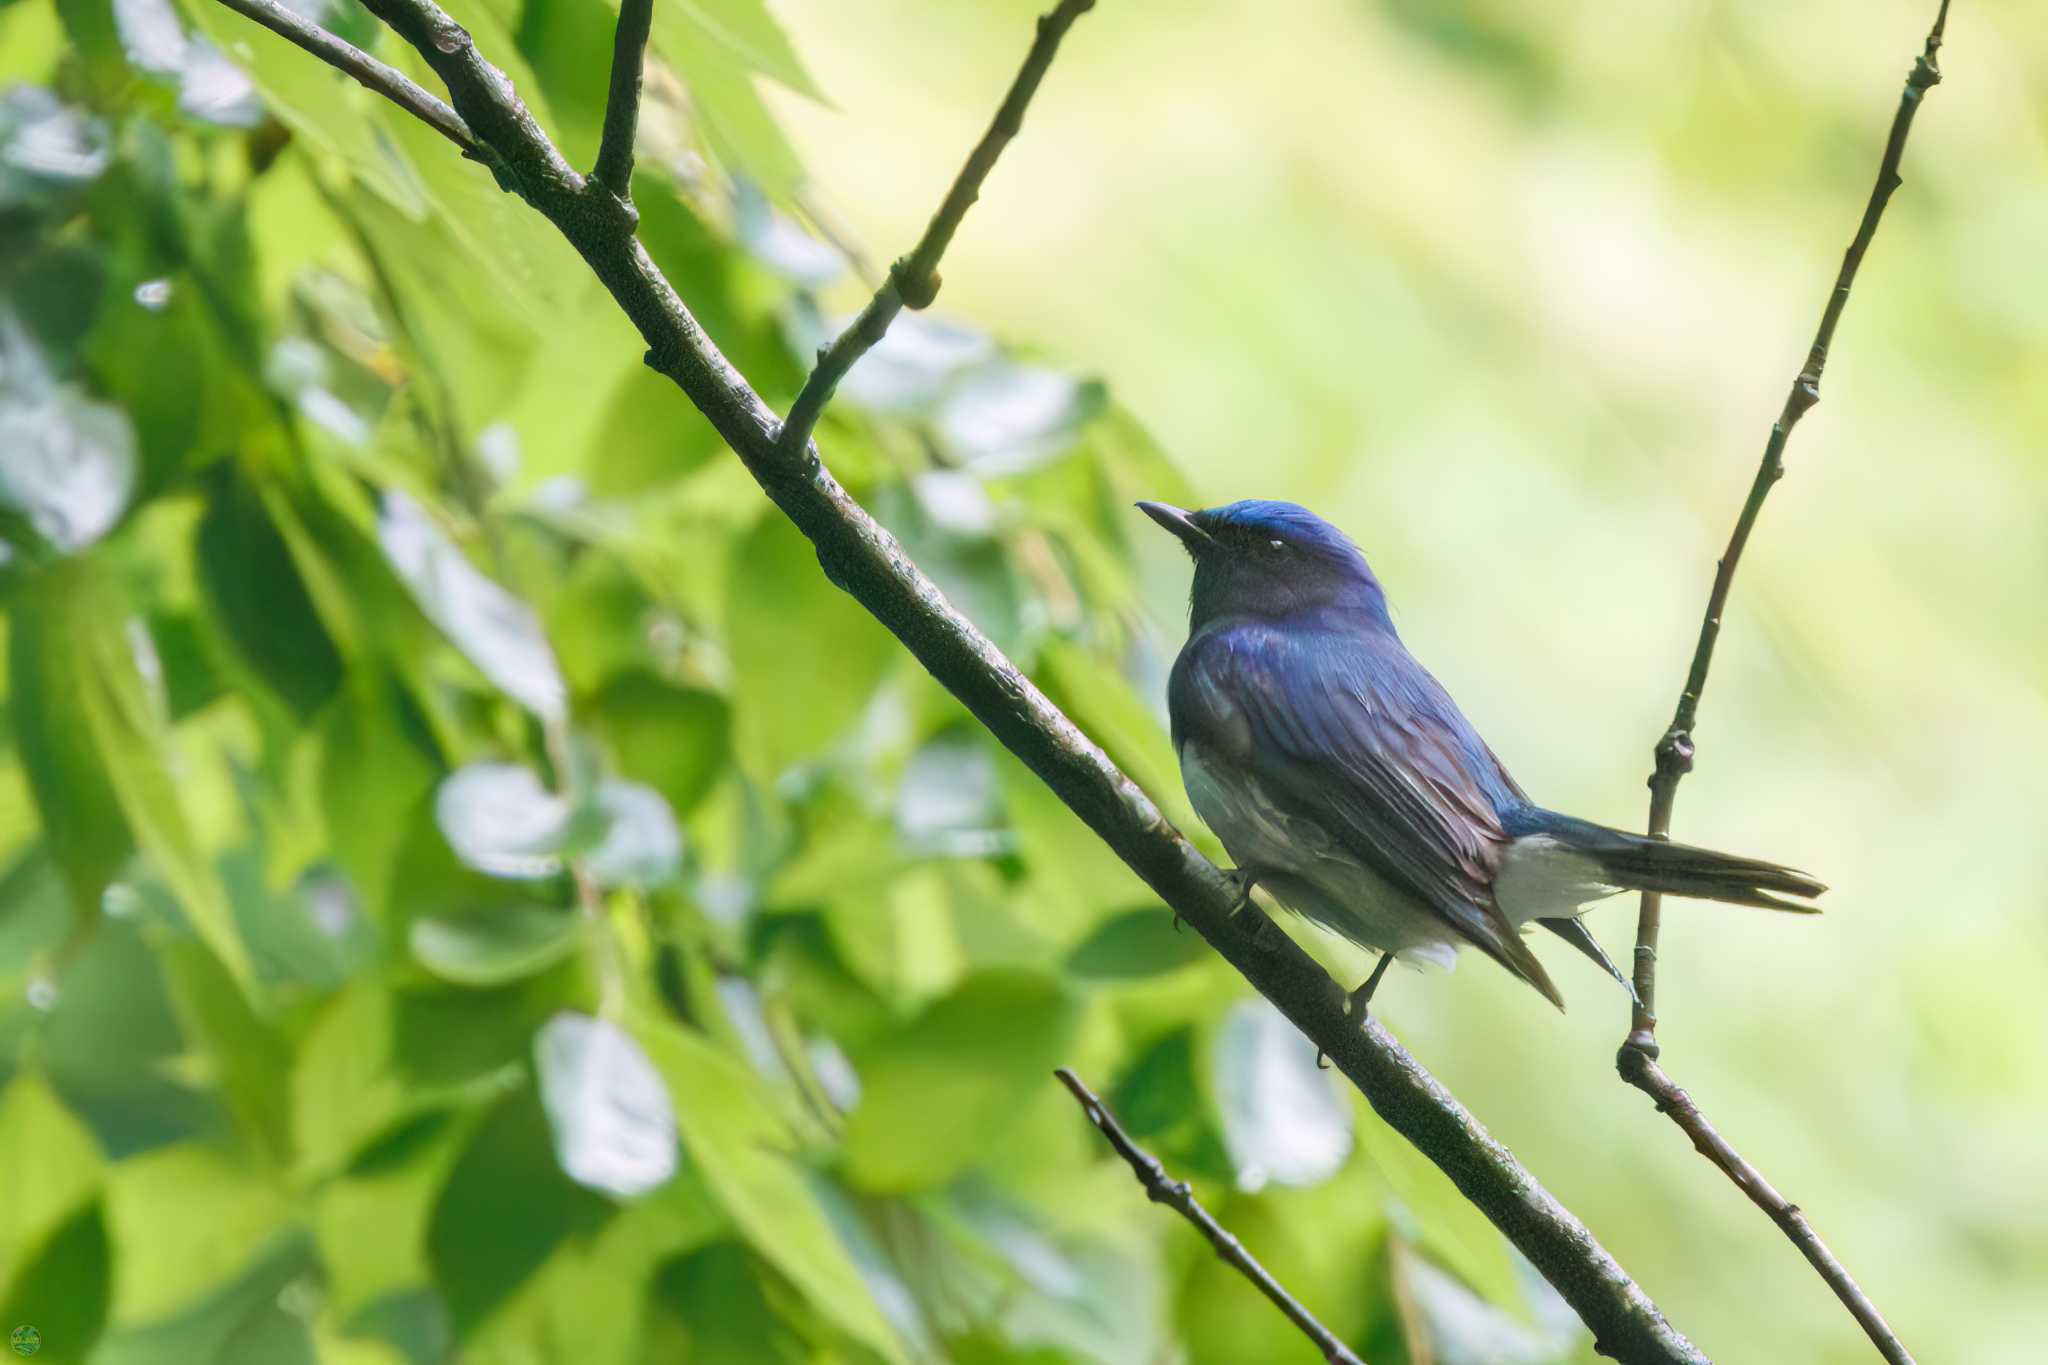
1246,914
1356,1005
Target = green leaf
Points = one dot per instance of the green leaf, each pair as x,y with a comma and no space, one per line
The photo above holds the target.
371,1226
675,739
49,1164
494,947
259,600
732,1136
1282,1120
343,1088
935,1094
250,1062
725,1313
377,765
1137,943
750,37
61,1293
82,818
77,679
484,1245
615,1131
248,1318
186,1219
789,630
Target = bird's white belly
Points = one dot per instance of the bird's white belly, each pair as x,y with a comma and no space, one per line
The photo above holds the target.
1307,870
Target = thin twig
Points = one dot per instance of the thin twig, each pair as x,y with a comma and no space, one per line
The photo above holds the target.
614,168
375,75
1162,1188
1674,753
868,563
913,281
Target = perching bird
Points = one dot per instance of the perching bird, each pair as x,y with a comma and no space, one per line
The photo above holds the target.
1342,778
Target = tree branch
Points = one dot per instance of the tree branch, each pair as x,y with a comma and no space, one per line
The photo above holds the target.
914,280
367,70
1161,1188
1637,1060
864,560
614,169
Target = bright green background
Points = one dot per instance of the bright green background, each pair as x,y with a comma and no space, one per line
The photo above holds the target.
1510,295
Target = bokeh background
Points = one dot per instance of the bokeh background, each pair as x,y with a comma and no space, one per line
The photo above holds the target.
662,970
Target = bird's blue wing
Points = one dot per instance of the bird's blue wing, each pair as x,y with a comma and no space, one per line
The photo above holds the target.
1344,728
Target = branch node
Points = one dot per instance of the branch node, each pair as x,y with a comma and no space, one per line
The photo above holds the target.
917,290
1674,755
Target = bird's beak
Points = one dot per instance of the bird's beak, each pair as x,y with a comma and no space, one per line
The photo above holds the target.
1178,521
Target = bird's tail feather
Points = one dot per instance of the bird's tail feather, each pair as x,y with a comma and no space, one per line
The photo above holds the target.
1635,863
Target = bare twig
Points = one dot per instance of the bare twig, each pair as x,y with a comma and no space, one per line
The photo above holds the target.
1162,1188
867,562
1637,1059
614,169
373,74
914,280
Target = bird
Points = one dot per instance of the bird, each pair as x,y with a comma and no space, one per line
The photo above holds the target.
1343,780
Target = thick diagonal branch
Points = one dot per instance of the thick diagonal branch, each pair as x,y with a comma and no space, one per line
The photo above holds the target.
913,281
1162,1188
863,559
1637,1060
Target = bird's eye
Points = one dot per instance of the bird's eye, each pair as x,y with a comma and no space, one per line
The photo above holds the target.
1276,546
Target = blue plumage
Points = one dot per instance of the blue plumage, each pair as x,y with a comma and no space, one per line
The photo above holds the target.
1342,777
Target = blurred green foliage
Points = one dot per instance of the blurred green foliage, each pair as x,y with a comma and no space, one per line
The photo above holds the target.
473,888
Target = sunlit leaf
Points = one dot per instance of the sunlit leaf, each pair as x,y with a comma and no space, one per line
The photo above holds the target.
210,87
641,845
614,1129
490,948
950,800
1005,418
915,363
780,243
45,146
70,465
1461,1328
1282,1121
497,632
500,820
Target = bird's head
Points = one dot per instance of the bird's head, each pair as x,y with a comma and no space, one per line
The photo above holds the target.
1270,559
